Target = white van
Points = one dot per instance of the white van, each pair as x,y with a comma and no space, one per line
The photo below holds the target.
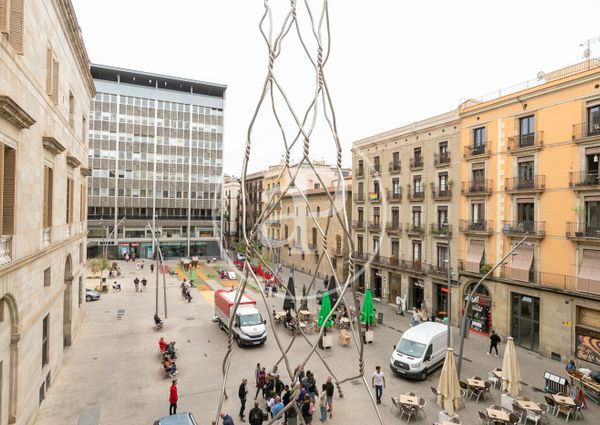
421,350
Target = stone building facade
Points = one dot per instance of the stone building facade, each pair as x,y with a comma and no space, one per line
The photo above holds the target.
45,91
301,245
404,202
231,190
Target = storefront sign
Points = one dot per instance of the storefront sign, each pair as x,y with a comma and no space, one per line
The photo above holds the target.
588,317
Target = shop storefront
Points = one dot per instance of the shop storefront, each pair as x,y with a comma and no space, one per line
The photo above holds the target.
525,321
587,335
376,283
441,300
480,314
416,293
395,286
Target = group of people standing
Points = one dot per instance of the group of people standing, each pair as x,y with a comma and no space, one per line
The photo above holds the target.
276,395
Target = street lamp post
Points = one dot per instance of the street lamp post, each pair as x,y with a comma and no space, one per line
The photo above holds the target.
106,238
463,327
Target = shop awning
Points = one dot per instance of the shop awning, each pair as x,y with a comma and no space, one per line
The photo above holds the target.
589,272
474,256
521,263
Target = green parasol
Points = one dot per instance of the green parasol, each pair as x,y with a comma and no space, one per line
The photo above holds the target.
325,310
367,315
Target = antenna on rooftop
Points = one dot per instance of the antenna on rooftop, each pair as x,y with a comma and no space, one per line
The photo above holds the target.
587,52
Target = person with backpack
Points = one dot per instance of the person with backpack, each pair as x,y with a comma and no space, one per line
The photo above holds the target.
494,341
308,408
256,415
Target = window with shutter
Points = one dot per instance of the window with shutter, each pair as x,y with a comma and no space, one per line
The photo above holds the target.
48,181
55,81
8,191
69,201
49,57
3,16
15,35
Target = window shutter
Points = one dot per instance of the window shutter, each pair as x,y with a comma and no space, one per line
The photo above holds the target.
68,201
8,192
55,82
49,72
47,218
15,35
3,13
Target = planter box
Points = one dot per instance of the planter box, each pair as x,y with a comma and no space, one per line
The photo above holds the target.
506,402
327,341
444,417
369,337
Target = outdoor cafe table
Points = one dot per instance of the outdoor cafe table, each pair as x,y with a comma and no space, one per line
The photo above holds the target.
498,374
450,423
529,405
498,415
409,399
476,383
304,313
563,400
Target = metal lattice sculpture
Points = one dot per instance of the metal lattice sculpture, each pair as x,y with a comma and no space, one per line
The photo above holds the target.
319,106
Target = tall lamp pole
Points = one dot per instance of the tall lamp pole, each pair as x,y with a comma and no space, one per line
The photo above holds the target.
159,260
463,327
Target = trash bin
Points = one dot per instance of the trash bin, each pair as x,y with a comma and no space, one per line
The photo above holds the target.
380,318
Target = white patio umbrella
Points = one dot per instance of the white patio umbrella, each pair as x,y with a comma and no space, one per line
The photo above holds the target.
511,373
449,394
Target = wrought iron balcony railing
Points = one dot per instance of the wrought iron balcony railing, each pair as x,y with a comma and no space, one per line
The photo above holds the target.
526,141
519,184
440,159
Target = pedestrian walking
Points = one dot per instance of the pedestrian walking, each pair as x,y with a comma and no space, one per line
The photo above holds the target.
242,392
378,383
144,283
307,410
398,304
137,265
403,305
142,265
323,403
277,407
256,415
256,373
262,380
227,420
329,388
173,397
494,340
152,268
287,396
416,318
136,282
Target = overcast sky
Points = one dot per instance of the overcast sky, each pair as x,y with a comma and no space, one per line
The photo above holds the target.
392,62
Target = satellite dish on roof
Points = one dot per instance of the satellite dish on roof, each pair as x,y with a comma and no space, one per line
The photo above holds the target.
541,75
587,53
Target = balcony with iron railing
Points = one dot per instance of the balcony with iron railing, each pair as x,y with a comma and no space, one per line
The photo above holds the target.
359,256
478,151
542,279
359,198
441,194
416,163
394,167
525,142
415,229
375,170
520,228
441,159
394,197
520,185
584,180
358,224
585,130
375,197
477,187
583,232
414,196
477,227
374,226
416,266
5,249
441,230
393,228
439,269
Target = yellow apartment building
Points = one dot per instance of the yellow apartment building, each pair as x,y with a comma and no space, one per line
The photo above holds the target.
530,167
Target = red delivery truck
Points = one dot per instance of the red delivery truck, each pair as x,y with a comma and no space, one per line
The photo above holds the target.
248,327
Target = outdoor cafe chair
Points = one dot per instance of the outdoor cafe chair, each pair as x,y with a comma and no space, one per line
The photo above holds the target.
578,407
454,420
544,409
484,418
477,392
422,404
533,416
435,393
513,418
551,403
566,410
488,386
395,404
519,411
408,411
493,379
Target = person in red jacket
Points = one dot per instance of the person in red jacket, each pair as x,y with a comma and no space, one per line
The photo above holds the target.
173,397
162,344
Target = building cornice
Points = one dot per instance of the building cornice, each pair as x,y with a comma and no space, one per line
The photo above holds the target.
85,172
52,145
73,33
73,162
13,113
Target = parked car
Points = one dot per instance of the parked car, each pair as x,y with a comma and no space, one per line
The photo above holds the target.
178,419
91,295
240,257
